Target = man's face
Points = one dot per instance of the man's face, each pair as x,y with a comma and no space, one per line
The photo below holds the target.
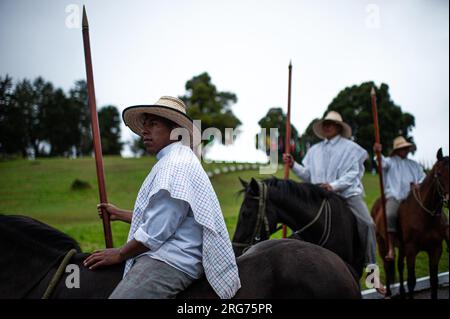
331,129
402,152
156,134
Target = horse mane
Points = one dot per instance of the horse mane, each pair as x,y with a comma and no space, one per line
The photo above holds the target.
30,229
287,190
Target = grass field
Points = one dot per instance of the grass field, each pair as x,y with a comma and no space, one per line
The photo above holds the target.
42,189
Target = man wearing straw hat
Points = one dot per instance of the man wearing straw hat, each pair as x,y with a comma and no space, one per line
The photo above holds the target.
400,173
337,164
177,229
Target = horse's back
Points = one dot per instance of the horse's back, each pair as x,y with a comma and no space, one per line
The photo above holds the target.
29,250
290,268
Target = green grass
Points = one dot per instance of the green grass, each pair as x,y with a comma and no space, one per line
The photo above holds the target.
41,189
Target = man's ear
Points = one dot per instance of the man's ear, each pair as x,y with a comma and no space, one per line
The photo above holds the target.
254,187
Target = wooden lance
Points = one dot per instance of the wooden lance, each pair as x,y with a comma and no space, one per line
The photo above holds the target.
95,130
379,165
287,144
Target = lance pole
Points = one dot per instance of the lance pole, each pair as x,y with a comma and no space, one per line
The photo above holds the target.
95,130
287,144
379,163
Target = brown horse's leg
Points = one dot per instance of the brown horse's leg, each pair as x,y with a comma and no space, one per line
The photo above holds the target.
433,261
411,255
401,266
389,269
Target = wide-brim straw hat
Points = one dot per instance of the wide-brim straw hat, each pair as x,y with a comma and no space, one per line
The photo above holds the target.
336,118
401,142
168,107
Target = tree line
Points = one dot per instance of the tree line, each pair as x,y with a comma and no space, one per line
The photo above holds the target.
38,119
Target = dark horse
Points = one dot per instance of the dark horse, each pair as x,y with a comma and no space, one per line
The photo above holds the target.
315,216
32,251
421,227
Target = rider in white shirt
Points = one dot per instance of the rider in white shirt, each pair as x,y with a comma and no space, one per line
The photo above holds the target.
337,164
399,172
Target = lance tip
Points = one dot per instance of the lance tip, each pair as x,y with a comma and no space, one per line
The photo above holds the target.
85,20
372,92
290,63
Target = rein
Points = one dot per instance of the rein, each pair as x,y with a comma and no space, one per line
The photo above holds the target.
58,274
440,190
262,220
325,206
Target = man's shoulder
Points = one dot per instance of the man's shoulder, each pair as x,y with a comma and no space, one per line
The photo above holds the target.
348,142
183,158
316,146
352,145
414,163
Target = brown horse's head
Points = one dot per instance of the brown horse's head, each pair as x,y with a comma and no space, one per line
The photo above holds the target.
441,174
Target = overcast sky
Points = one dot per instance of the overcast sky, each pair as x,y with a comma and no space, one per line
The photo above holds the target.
142,50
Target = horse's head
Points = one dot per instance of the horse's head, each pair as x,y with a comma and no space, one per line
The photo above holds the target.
253,223
441,175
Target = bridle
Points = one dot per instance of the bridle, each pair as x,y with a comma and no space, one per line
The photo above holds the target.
442,197
262,220
262,223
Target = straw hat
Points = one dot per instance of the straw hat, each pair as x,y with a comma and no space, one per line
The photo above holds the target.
167,107
336,118
401,142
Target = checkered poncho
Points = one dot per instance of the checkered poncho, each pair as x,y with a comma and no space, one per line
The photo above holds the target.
181,174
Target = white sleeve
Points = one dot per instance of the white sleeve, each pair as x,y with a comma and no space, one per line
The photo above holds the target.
302,172
348,179
162,217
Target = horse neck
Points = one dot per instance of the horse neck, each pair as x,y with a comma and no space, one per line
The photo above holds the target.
294,212
429,193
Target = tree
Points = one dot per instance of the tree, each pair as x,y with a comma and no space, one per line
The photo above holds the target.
60,122
78,99
204,102
12,128
275,118
25,118
354,104
109,123
137,146
38,120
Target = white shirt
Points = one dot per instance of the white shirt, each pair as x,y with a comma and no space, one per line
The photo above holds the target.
179,173
398,174
338,162
172,234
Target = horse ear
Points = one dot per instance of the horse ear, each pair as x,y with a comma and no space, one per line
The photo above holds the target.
439,155
254,188
243,183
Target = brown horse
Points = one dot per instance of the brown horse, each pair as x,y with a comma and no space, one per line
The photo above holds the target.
421,227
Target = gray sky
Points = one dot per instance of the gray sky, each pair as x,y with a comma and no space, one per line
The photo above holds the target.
145,49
